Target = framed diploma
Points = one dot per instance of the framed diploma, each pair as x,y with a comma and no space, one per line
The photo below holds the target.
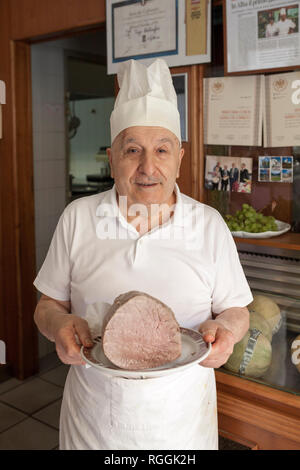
176,30
148,30
233,110
261,35
282,110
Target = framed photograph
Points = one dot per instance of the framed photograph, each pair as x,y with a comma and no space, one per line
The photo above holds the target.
275,169
261,35
228,174
287,176
177,31
264,174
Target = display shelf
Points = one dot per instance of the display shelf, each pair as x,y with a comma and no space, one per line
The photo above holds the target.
287,241
263,415
282,374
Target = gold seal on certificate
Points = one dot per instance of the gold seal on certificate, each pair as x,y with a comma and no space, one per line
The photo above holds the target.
233,110
282,110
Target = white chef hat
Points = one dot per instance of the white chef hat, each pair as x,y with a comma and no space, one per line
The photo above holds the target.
283,11
146,98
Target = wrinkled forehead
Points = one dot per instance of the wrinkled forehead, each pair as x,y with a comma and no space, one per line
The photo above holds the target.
146,135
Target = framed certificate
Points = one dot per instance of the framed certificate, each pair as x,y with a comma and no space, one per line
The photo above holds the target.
179,31
261,36
140,31
233,110
282,110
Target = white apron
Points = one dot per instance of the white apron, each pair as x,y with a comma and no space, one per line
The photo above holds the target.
100,412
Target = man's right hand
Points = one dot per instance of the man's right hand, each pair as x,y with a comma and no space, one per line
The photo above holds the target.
65,328
68,331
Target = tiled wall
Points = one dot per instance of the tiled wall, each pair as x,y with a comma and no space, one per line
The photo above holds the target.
49,142
49,149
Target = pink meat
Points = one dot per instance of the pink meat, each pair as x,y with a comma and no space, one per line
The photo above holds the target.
140,332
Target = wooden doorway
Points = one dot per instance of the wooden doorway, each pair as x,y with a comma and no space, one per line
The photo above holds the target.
43,21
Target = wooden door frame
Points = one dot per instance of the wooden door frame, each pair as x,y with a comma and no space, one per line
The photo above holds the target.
17,237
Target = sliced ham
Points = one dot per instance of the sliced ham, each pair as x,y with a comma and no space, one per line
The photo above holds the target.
140,332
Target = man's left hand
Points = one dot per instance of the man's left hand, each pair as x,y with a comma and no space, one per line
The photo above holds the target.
222,343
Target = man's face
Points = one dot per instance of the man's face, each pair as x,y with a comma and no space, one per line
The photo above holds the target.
283,17
145,163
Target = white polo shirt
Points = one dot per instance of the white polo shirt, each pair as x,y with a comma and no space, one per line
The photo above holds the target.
284,26
190,263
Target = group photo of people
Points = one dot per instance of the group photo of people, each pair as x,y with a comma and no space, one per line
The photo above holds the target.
228,174
278,22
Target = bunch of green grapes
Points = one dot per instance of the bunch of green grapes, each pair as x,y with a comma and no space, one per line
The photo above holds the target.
248,220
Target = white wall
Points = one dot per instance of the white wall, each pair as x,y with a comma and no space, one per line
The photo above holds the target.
48,149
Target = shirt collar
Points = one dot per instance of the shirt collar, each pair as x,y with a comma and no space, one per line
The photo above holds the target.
109,207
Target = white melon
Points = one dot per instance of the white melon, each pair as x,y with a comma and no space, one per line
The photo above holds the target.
267,308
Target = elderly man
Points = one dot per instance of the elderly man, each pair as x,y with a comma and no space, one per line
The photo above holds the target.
142,235
233,177
285,25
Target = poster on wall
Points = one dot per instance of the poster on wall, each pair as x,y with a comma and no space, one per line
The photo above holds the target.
228,173
262,35
282,110
273,169
147,29
233,110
